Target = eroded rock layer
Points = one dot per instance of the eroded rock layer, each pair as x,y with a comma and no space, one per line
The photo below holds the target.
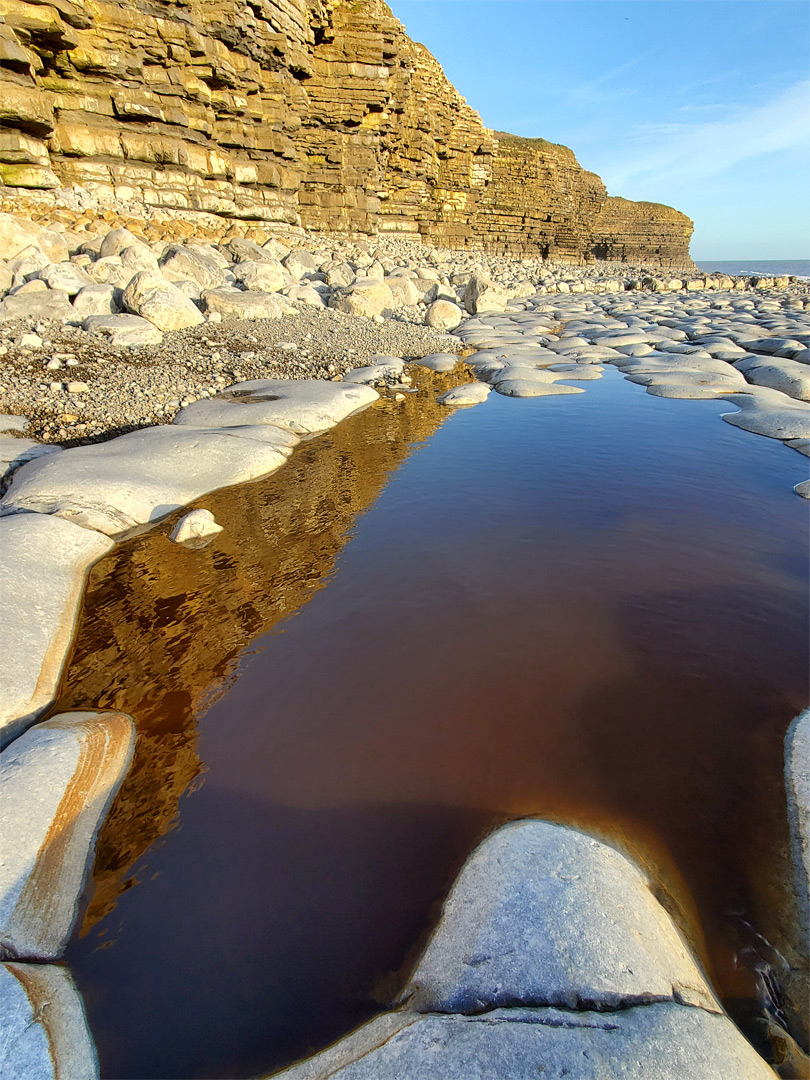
313,113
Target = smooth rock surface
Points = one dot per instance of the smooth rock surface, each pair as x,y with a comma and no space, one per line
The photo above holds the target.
441,362
124,331
797,789
657,1042
57,781
769,412
195,530
232,304
42,571
43,1031
303,406
160,302
141,477
469,394
544,915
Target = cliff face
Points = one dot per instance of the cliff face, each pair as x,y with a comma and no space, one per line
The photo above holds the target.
321,113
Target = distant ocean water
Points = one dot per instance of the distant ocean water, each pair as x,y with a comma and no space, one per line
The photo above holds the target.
763,268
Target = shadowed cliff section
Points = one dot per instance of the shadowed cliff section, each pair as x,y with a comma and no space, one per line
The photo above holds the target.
314,113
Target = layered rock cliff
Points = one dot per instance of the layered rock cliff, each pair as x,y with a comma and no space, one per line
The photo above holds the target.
313,113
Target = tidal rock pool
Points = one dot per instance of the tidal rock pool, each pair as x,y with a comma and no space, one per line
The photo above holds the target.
587,608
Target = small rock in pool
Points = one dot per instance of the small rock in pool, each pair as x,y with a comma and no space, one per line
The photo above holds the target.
470,394
195,530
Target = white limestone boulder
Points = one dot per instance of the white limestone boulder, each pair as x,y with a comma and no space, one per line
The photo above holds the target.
178,263
469,394
42,572
97,300
195,530
519,386
43,1031
443,315
441,362
391,368
139,478
160,302
64,277
403,290
48,304
483,294
232,303
265,275
57,781
367,298
17,234
542,914
116,241
302,406
124,331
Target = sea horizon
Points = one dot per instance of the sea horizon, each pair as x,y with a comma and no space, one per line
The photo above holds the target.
764,267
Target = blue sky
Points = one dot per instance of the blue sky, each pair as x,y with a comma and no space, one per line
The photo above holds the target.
701,104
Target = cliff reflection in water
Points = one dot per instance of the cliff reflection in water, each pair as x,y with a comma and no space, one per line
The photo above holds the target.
163,628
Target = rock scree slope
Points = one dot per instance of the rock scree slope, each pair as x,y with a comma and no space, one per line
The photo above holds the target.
314,114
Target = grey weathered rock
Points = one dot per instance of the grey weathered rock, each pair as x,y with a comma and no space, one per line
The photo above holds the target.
658,1042
57,781
232,303
64,277
139,478
17,234
42,570
97,300
15,452
524,388
552,957
544,915
300,262
769,412
366,298
125,331
44,1033
439,361
483,294
178,263
195,530
443,315
372,373
116,241
469,394
265,275
788,376
797,789
303,406
154,298
49,304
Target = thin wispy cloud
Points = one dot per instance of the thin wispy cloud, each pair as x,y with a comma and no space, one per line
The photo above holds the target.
697,149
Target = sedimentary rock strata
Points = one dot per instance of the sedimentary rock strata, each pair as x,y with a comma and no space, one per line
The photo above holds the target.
313,113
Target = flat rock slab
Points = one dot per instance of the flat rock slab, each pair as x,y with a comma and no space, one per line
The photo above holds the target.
233,304
127,331
788,376
544,915
57,781
438,361
469,394
15,452
523,388
49,304
43,1032
658,1042
302,406
43,562
141,477
371,373
768,412
797,788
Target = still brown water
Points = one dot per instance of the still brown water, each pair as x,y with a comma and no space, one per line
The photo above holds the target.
589,608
